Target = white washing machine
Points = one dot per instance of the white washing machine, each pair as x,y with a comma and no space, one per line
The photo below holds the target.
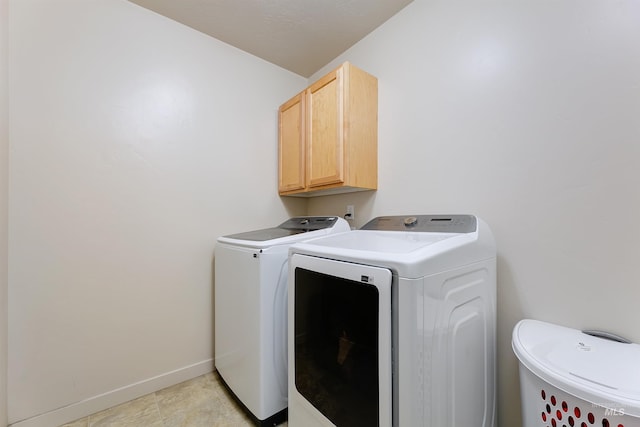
394,325
251,311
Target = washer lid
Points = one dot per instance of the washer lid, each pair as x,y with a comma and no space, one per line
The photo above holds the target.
290,227
601,371
293,230
264,234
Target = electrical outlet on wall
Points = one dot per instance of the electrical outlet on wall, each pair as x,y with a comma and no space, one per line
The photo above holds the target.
351,213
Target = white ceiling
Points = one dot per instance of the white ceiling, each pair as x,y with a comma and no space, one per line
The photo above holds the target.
298,35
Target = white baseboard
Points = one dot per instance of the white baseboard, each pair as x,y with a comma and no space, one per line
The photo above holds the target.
115,397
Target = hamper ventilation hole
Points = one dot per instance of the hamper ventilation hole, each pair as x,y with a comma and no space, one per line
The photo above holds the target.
555,415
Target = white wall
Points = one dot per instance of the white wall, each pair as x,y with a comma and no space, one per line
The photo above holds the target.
526,114
135,142
4,175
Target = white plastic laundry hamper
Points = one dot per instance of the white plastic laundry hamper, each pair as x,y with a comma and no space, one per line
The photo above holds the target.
569,378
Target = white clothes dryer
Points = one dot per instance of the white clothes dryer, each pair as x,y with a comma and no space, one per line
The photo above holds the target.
251,311
394,325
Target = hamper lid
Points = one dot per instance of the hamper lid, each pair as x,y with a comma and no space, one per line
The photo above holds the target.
603,372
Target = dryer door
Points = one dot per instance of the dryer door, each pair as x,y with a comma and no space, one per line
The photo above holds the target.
339,343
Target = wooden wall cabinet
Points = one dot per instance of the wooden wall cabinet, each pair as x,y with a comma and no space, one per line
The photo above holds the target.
328,136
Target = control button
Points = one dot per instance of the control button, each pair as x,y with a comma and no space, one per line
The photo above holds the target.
304,221
410,221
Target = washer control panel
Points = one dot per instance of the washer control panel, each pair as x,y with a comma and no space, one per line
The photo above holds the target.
424,223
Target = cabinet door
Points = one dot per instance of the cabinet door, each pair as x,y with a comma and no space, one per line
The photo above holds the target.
325,136
291,162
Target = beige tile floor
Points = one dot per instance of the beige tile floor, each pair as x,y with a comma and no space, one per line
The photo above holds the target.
200,402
